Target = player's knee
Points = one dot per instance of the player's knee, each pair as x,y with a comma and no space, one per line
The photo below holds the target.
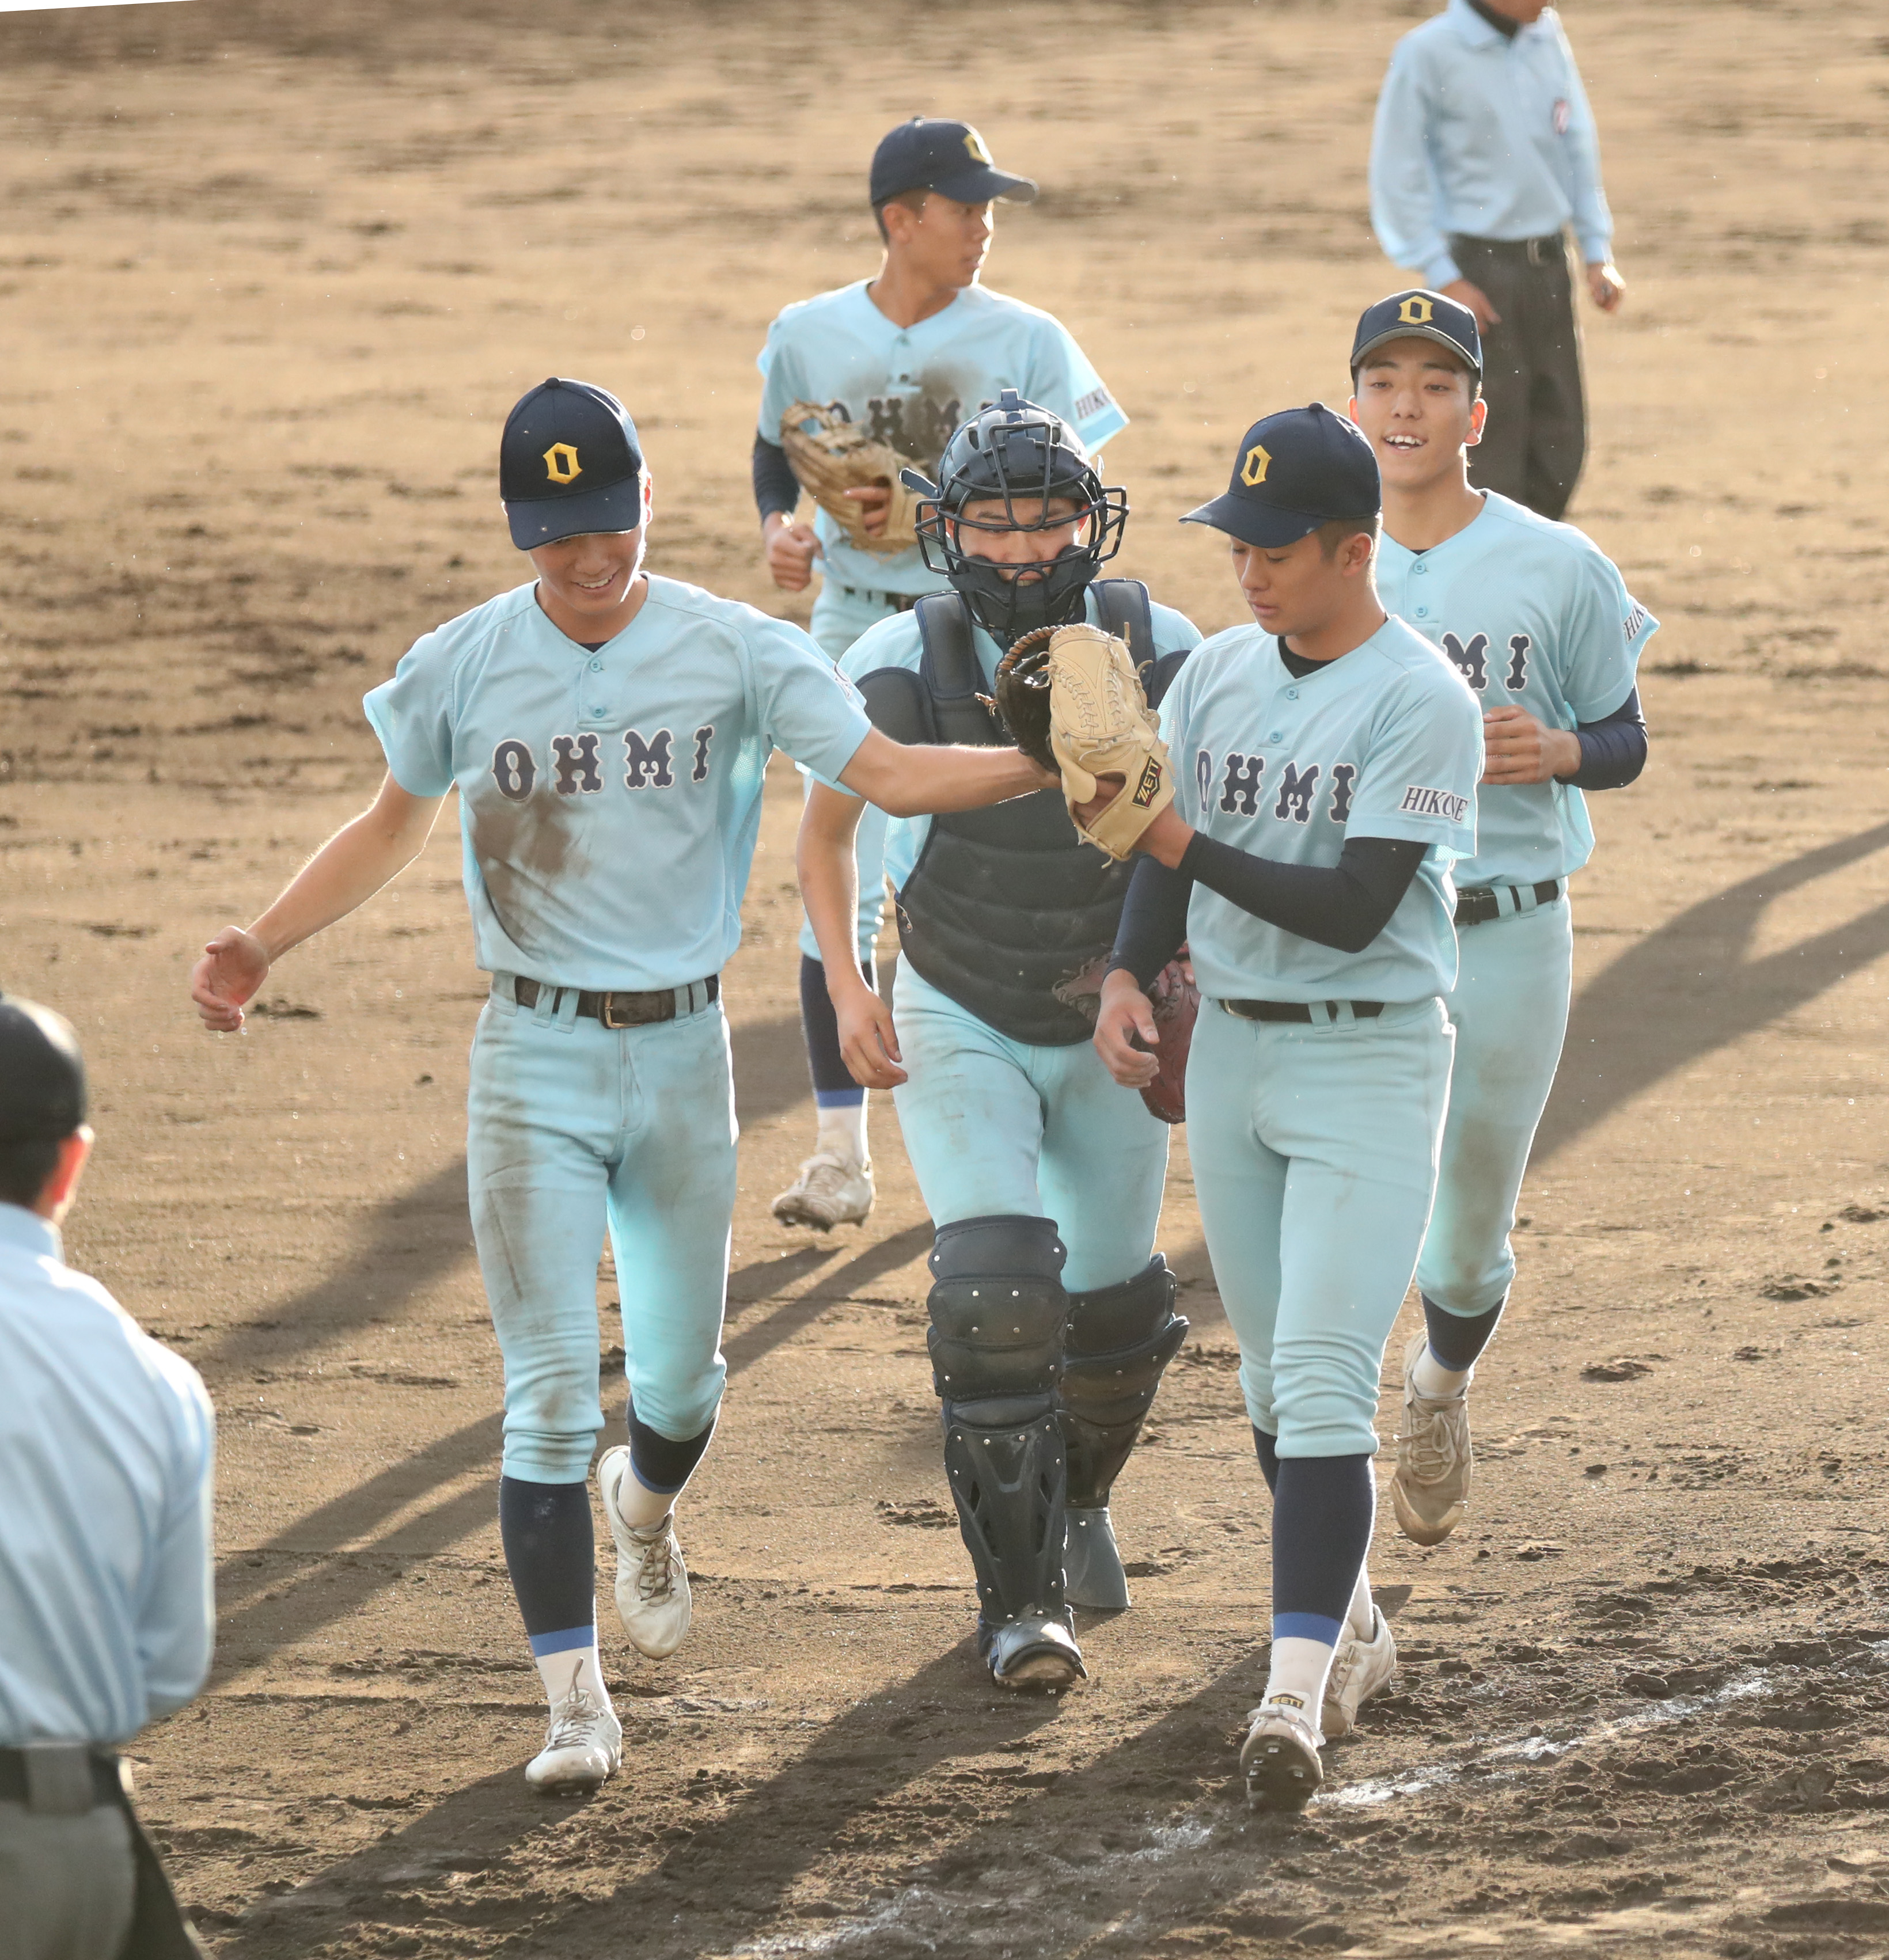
1324,1417
998,1308
1119,1339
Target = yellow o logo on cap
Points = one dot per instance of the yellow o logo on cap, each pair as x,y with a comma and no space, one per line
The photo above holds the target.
1253,470
561,464
1415,311
975,143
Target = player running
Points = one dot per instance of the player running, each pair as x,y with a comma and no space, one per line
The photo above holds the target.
904,357
1541,626
607,730
1324,768
1044,1183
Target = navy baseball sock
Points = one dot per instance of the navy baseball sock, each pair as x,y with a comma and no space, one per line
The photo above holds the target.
1322,1513
1457,1339
660,1464
551,1555
1268,1447
839,1099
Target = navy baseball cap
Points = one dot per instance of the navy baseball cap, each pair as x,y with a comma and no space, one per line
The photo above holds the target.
928,153
1419,314
1295,471
568,462
42,1074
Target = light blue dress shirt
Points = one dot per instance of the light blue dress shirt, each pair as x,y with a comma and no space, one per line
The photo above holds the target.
1486,136
107,1453
609,800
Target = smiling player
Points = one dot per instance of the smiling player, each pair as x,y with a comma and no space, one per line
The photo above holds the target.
608,731
1541,626
906,356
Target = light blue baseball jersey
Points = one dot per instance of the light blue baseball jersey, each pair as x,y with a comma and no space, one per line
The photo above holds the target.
609,800
1484,135
895,643
912,385
1385,741
107,1445
1533,614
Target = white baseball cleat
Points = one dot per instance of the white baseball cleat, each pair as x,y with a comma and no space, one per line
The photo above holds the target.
830,1190
1358,1670
652,1582
1429,1488
583,1746
1279,1759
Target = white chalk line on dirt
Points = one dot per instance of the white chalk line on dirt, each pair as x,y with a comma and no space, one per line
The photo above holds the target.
1186,1834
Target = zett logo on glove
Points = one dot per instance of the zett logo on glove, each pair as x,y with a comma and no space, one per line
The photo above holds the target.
1149,787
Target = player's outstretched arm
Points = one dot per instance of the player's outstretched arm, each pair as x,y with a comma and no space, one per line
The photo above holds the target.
917,781
829,886
347,870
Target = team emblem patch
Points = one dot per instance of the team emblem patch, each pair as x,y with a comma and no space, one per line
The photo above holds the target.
975,143
1149,787
1416,311
561,464
1253,470
1420,802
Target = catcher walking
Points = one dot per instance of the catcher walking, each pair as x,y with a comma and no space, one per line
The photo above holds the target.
1052,1315
859,383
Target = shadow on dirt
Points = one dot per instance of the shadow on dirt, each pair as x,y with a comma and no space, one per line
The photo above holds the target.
1690,988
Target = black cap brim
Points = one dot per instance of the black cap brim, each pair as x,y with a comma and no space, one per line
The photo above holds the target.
544,520
983,185
1267,526
1360,355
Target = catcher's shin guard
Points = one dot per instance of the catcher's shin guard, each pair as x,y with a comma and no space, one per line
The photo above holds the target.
1119,1340
998,1308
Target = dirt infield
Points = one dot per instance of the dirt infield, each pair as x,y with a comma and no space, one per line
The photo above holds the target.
268,288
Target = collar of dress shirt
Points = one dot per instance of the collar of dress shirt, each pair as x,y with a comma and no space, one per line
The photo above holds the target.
30,1232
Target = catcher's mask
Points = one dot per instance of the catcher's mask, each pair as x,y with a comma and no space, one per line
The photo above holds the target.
1024,455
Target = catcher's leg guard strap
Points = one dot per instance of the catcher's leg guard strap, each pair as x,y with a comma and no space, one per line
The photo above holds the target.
1119,1340
997,1306
1008,1482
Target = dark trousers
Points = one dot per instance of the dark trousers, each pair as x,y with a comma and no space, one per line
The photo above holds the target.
1536,437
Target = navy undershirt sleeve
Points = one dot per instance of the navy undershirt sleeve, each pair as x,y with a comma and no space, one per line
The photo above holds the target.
1344,906
776,488
1613,750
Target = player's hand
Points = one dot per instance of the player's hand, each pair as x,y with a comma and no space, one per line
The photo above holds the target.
1124,1031
1606,287
875,504
791,549
1518,748
868,1042
233,966
1467,293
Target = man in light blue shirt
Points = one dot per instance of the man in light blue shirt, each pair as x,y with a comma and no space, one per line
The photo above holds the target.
1484,152
907,356
106,1442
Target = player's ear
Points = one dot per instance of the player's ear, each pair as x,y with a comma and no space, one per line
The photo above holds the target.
1478,414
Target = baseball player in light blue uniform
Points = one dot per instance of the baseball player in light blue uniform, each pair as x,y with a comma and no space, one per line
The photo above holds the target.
607,731
1325,759
1541,626
907,356
1044,1188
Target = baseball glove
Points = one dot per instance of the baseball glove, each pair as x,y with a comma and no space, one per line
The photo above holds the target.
1100,724
1177,1004
830,455
1022,692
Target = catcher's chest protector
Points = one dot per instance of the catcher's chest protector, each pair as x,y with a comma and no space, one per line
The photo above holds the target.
1007,910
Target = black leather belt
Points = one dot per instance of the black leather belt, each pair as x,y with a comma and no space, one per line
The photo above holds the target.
1536,251
628,1010
57,1780
1477,905
900,602
1300,1010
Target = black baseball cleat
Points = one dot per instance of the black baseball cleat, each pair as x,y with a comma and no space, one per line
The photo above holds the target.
1280,1759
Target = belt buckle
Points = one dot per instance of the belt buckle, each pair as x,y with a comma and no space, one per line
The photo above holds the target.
606,1010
